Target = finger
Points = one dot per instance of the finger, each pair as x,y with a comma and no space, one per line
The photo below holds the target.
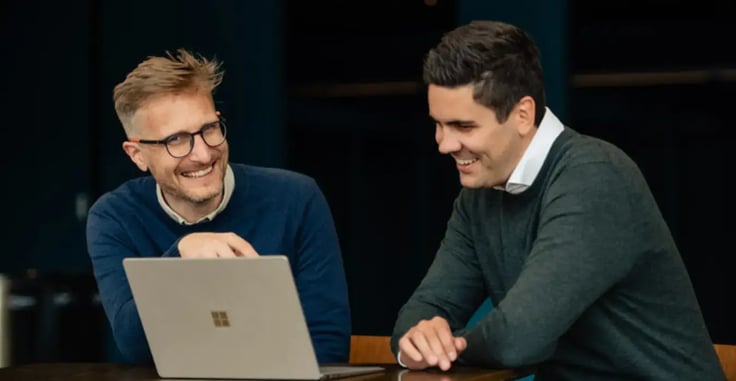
435,341
184,246
421,342
199,245
223,250
410,355
240,246
448,343
409,351
200,252
460,344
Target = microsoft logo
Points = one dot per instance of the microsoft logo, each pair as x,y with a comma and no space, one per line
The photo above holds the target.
220,319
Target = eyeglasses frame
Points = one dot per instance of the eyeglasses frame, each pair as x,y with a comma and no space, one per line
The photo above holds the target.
165,141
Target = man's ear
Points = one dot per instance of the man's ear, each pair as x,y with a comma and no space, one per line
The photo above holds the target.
525,111
136,156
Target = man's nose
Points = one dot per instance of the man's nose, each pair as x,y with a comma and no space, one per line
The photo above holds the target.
446,141
200,151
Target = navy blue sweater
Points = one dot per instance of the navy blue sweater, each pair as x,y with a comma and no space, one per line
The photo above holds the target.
277,211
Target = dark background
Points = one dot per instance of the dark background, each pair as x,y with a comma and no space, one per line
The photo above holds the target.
332,89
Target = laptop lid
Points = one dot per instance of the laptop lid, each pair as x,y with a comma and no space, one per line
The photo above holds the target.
223,317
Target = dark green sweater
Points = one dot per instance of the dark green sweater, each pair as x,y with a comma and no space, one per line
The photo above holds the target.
584,274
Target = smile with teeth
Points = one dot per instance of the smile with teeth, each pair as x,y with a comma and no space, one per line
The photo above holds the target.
464,163
200,173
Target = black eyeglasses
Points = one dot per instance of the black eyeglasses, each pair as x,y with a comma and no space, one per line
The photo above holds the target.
181,144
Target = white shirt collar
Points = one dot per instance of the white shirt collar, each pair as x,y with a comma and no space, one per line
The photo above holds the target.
531,162
229,186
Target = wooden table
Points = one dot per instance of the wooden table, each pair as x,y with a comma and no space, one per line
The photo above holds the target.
119,372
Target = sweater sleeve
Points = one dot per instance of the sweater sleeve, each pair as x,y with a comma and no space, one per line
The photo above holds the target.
320,280
587,241
453,287
108,244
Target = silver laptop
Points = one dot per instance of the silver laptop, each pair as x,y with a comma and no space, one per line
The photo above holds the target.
236,318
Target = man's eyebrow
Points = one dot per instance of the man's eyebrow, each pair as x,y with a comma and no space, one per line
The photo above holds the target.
458,122
455,122
199,129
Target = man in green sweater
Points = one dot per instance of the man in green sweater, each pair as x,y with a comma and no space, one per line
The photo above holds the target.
558,229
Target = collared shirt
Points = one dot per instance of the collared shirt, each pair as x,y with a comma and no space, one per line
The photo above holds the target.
229,186
531,162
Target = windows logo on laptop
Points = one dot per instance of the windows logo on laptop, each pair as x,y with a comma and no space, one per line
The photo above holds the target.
210,318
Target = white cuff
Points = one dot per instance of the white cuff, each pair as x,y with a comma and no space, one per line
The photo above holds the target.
398,360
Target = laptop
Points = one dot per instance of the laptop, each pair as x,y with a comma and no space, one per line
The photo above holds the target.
231,318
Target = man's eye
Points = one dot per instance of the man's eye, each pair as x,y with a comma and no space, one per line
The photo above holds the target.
177,139
208,129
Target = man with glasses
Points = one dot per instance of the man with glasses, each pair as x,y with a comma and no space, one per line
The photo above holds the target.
195,204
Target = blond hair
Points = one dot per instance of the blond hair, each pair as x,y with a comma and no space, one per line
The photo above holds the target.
173,74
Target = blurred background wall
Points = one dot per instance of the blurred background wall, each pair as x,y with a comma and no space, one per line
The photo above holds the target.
333,89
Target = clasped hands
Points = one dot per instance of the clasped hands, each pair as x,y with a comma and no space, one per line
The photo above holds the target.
213,245
430,343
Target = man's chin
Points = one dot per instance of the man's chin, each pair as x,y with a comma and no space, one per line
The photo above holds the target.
203,196
469,182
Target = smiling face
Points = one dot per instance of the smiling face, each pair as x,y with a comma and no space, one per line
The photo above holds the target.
485,151
192,185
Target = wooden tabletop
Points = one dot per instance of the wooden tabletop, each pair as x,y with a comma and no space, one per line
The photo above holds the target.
120,372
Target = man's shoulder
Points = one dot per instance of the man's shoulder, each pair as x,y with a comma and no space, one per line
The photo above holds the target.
132,193
581,160
573,149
